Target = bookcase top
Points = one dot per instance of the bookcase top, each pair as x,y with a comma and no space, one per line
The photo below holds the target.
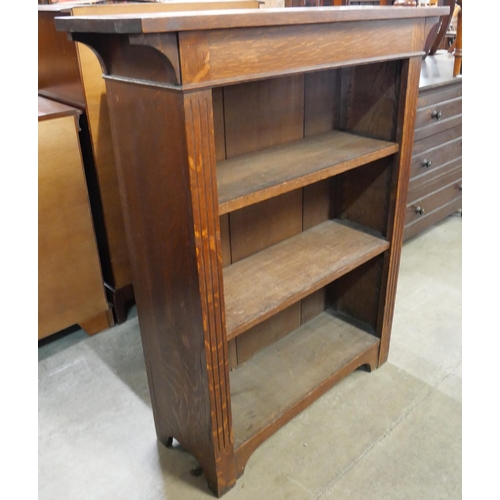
242,18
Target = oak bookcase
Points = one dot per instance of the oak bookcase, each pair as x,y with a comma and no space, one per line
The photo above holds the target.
263,160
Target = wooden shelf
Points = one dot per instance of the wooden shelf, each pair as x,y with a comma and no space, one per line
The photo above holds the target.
265,283
255,177
269,387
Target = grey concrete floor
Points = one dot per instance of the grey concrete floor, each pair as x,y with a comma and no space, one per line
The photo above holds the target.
395,433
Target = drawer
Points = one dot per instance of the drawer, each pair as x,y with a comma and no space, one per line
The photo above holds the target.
432,97
436,140
439,112
434,119
435,158
438,215
424,207
424,185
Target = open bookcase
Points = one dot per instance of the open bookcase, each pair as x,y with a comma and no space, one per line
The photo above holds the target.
263,161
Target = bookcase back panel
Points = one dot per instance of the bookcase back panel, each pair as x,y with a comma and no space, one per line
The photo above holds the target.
321,101
363,195
261,114
370,98
355,296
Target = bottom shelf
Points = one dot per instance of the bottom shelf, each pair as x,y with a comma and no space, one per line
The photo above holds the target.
281,380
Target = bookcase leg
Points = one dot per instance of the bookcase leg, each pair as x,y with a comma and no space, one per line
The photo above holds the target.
168,180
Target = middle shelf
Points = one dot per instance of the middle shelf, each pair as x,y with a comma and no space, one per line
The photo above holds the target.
269,281
257,176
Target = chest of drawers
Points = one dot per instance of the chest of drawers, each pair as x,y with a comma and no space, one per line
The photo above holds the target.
435,189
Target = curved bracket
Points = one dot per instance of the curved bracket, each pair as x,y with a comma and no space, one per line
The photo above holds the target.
152,59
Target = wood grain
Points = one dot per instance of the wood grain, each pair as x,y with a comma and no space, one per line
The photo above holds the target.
176,260
268,282
410,73
243,18
266,52
262,225
255,177
262,114
268,332
191,308
266,390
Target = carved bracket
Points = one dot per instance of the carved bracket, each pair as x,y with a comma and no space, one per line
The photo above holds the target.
150,58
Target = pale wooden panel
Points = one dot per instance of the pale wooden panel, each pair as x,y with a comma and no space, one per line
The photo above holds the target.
104,159
259,226
263,114
265,283
70,286
263,174
281,376
267,332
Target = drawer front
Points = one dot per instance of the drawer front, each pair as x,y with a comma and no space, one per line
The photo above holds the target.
438,113
423,223
436,140
423,186
437,127
432,97
435,158
424,207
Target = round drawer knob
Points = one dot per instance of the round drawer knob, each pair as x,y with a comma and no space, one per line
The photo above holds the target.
437,114
426,163
419,210
460,187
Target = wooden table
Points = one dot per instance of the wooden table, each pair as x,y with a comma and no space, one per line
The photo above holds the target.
263,156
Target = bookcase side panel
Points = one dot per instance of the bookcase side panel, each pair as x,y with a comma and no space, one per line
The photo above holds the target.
166,173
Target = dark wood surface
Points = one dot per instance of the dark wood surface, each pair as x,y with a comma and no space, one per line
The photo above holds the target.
340,246
49,109
244,18
269,281
270,172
